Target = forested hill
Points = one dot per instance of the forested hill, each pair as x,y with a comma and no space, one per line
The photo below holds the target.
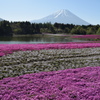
23,28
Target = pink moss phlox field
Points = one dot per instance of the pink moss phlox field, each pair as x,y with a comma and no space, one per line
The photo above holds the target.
88,36
70,84
10,48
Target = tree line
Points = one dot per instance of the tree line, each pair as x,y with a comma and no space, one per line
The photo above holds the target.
24,28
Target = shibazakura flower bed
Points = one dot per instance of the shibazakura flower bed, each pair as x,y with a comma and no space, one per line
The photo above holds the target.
25,62
70,84
87,36
10,48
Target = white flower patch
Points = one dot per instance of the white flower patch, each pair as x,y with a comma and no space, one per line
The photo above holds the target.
22,62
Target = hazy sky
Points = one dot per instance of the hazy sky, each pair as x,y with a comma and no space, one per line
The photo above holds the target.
22,10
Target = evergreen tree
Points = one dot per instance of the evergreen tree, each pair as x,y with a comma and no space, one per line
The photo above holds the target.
90,30
5,29
98,31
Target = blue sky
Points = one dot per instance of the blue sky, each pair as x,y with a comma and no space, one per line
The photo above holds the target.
26,10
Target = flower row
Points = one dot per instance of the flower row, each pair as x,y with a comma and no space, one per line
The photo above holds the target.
23,62
10,48
87,36
70,84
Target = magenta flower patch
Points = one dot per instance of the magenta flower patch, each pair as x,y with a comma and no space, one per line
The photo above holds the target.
10,48
70,84
87,36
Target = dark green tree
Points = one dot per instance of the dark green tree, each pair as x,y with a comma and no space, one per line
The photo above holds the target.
5,28
98,31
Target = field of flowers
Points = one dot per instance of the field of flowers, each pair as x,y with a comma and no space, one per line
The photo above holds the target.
10,48
59,71
93,37
23,62
70,84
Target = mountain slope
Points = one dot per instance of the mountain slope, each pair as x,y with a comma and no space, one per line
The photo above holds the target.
1,19
62,16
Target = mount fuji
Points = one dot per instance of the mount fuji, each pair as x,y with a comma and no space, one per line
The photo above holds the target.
1,19
62,16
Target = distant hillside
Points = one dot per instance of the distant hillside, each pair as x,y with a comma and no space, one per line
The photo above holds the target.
62,16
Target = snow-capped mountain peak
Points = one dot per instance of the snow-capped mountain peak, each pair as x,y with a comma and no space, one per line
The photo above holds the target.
62,16
61,13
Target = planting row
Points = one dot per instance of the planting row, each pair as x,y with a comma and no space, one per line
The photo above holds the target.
23,62
10,48
70,84
87,36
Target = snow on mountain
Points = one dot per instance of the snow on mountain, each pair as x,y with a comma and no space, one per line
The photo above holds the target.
62,16
1,19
